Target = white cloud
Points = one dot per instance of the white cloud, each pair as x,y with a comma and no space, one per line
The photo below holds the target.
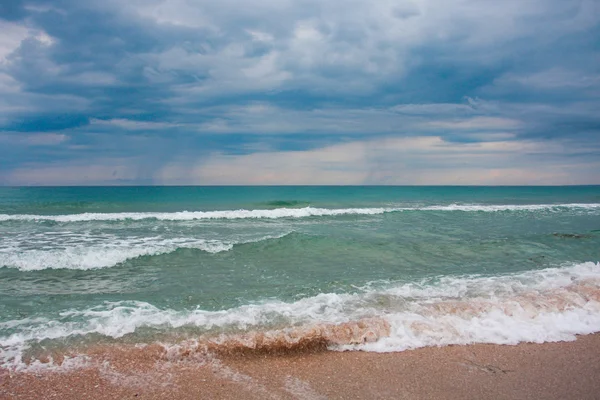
45,139
132,125
173,12
11,38
13,35
44,38
91,78
260,36
553,78
434,109
487,123
33,139
266,71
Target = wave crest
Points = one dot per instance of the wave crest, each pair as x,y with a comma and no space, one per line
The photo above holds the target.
285,213
89,257
537,306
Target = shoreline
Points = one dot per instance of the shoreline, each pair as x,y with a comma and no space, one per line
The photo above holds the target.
524,371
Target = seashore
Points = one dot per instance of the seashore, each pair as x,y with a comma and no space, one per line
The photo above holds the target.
561,370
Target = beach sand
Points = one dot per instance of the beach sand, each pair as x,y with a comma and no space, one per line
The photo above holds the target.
566,370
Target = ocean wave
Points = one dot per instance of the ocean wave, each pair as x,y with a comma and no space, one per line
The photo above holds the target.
89,256
286,212
548,305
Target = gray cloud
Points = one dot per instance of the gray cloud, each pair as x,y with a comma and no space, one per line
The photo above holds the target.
164,83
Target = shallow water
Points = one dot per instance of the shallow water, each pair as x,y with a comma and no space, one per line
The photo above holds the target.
438,265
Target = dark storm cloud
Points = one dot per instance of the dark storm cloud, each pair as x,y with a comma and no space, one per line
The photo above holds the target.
170,82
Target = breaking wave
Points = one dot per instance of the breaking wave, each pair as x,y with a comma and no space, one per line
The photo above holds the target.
286,212
548,305
87,257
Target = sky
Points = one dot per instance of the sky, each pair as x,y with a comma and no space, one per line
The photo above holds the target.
348,92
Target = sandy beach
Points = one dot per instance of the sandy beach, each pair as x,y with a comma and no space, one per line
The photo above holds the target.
566,370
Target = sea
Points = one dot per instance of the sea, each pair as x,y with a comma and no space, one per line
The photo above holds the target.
368,268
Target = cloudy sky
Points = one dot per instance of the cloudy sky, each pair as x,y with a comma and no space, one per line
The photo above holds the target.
299,92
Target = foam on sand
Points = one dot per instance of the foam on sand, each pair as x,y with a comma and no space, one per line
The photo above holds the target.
537,306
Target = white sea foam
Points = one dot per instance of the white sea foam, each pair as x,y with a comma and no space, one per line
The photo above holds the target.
85,257
537,306
509,207
108,253
285,212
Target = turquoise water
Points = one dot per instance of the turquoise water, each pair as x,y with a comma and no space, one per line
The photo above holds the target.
136,263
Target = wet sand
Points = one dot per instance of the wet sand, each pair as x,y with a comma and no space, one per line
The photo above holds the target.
566,370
